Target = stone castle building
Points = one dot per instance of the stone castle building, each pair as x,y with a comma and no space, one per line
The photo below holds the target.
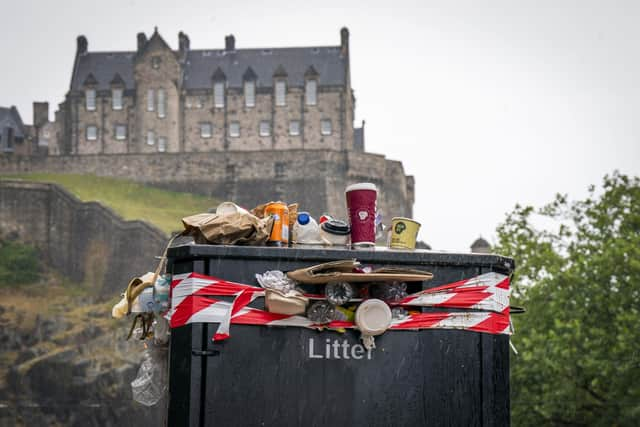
156,99
242,124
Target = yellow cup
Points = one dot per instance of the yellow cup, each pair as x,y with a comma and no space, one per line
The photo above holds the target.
404,232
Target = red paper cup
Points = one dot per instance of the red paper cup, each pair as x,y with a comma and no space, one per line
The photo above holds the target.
361,205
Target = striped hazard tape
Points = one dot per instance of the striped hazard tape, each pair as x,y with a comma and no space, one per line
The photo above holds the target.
192,302
489,291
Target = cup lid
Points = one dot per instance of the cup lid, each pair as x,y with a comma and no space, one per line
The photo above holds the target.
373,317
335,226
361,186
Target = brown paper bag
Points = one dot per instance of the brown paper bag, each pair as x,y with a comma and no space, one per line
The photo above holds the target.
231,229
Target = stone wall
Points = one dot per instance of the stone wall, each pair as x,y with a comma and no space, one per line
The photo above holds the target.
314,178
86,241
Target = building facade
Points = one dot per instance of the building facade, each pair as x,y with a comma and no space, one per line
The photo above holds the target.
156,99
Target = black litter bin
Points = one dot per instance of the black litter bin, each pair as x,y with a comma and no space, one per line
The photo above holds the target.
285,376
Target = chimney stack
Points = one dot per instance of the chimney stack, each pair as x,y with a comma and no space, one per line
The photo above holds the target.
142,40
183,42
230,43
344,40
40,113
82,45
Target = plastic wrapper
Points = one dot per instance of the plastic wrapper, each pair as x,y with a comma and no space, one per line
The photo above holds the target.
339,293
161,331
150,385
278,281
344,314
161,293
321,312
398,313
389,292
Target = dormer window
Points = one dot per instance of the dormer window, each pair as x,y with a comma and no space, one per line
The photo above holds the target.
310,92
281,93
155,62
116,99
250,94
218,94
249,78
90,99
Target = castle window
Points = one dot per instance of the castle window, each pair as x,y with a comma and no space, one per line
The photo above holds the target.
206,130
250,94
265,128
155,62
325,127
151,100
280,170
294,127
311,89
92,133
231,171
281,92
162,144
234,129
90,99
162,104
218,94
151,137
121,132
116,99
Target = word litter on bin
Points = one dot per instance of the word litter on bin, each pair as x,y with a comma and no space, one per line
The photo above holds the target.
337,349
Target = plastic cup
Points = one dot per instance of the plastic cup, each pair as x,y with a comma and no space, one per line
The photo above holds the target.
361,205
404,232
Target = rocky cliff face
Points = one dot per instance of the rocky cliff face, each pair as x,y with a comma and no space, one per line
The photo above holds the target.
64,361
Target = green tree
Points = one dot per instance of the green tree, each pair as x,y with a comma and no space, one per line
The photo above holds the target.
579,279
19,264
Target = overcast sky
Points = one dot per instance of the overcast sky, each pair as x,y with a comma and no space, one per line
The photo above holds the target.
487,103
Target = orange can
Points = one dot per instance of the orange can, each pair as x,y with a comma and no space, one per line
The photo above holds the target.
280,231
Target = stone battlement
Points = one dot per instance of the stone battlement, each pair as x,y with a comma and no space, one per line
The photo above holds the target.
314,178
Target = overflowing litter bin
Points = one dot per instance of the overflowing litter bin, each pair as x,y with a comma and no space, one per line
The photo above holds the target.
293,376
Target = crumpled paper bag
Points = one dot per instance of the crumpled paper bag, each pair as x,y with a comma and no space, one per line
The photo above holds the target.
231,229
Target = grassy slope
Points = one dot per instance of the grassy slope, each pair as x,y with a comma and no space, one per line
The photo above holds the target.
130,200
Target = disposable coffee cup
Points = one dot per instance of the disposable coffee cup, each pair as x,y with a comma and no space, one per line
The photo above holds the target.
404,232
361,205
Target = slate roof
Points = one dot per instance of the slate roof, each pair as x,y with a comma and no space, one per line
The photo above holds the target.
103,66
12,114
200,65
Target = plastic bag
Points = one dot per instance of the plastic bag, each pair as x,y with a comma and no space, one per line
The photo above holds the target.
276,280
150,385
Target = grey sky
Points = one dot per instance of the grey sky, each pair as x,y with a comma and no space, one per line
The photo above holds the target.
487,103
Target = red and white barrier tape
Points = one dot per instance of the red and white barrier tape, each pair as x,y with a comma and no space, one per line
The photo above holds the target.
489,291
191,302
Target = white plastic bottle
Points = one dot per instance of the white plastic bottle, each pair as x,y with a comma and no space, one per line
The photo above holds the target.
306,230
